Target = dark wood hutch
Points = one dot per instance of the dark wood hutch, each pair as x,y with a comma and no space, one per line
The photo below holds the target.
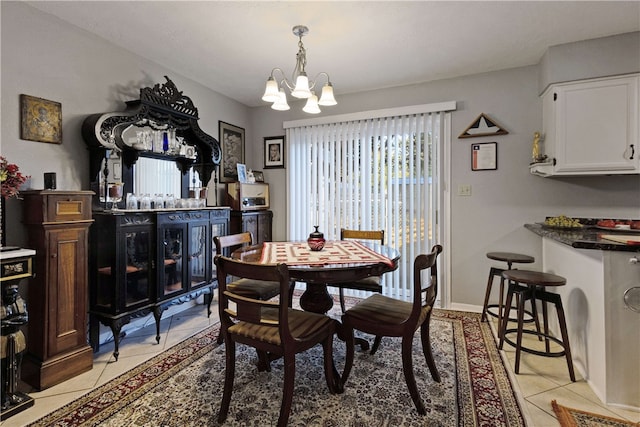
143,260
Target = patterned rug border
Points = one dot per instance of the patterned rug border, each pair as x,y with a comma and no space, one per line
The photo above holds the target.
567,417
498,409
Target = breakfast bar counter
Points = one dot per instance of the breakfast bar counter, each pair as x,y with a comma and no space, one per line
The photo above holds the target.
603,330
587,237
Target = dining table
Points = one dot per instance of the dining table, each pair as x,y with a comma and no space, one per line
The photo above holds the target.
339,262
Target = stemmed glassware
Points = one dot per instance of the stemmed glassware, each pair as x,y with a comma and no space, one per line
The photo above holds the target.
115,194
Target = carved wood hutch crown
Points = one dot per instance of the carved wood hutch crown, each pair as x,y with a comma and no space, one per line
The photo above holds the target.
160,108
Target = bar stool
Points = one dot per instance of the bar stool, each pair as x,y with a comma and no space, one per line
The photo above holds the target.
531,285
510,258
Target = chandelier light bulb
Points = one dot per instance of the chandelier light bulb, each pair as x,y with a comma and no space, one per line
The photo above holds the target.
271,92
302,87
281,103
311,106
327,98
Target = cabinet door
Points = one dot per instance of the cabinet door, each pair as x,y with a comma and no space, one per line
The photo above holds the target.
124,266
171,259
264,227
67,289
198,271
219,227
250,224
596,126
137,275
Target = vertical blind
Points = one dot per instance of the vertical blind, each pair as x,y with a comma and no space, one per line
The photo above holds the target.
167,177
377,173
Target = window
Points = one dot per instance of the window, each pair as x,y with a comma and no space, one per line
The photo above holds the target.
370,173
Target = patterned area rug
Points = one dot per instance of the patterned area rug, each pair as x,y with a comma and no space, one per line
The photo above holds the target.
183,386
569,417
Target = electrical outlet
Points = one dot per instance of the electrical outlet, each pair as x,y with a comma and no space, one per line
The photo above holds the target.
464,190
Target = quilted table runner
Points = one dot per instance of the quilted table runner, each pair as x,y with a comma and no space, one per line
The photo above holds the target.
334,252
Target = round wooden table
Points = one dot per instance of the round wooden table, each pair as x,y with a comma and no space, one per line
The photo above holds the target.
316,297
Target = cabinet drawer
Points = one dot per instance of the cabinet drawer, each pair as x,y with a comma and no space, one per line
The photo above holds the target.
68,208
50,206
18,268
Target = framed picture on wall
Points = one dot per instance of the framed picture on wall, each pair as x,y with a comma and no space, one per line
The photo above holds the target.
232,144
274,152
40,120
484,156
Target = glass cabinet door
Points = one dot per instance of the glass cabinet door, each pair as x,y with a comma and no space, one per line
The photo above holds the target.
217,229
124,270
172,239
198,254
137,269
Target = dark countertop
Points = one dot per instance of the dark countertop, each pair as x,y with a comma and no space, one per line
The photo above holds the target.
587,237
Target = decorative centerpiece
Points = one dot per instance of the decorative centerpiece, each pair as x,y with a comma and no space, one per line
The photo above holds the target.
316,240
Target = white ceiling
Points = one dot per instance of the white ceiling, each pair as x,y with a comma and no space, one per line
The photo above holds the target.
231,46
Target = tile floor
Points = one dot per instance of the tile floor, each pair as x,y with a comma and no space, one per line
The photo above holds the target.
540,380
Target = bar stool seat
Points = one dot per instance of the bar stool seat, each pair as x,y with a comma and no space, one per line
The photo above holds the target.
510,258
531,285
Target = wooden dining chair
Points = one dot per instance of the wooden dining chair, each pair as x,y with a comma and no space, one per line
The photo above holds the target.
272,328
384,316
372,283
257,289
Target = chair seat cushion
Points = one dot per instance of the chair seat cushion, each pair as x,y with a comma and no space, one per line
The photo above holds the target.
381,309
367,284
302,324
257,289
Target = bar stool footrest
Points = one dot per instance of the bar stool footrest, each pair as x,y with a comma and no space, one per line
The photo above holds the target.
533,351
528,315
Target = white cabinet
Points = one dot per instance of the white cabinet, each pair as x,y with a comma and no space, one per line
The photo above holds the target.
590,127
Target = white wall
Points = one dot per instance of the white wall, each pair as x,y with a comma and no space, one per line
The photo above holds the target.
44,57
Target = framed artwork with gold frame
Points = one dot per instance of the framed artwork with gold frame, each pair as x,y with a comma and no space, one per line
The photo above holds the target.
40,120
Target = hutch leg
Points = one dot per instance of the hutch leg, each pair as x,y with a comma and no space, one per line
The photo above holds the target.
157,315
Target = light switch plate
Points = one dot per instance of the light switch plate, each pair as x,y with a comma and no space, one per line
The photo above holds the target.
464,190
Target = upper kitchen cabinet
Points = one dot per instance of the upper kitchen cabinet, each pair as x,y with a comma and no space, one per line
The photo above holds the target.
591,127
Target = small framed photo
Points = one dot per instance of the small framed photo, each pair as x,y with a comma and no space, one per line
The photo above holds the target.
484,156
40,120
232,143
274,152
259,176
242,172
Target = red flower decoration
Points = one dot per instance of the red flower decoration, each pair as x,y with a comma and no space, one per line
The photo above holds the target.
10,178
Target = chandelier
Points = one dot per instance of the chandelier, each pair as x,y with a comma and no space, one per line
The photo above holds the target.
303,88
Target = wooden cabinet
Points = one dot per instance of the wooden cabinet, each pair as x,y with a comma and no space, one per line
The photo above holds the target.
591,127
256,222
58,229
144,261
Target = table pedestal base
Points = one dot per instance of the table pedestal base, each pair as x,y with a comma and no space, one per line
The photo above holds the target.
316,298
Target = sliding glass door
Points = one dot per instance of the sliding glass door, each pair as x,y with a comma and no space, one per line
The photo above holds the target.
370,174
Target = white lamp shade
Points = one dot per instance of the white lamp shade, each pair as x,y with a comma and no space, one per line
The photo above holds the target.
271,93
327,97
281,103
302,87
311,106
